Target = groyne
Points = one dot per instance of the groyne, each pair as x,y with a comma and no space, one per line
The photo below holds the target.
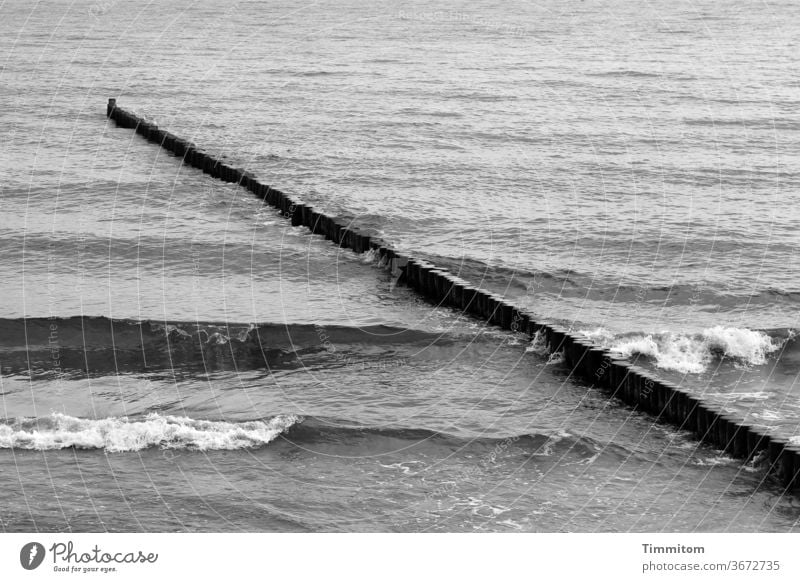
619,377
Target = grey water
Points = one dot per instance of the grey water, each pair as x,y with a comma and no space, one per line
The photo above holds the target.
174,356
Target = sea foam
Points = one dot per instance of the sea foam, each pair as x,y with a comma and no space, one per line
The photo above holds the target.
692,353
122,434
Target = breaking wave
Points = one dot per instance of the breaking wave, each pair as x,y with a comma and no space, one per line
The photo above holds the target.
120,435
692,353
60,431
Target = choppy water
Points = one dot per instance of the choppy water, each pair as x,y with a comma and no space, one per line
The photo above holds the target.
174,356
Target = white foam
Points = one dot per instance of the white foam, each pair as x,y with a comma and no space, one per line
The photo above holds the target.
599,334
371,256
121,434
692,353
714,461
747,345
738,396
670,352
538,345
218,339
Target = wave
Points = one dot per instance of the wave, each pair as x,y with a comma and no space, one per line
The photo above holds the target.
100,332
692,354
99,345
500,276
370,440
628,73
770,124
122,434
60,431
703,295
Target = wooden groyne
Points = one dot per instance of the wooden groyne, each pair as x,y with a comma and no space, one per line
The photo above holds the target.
618,376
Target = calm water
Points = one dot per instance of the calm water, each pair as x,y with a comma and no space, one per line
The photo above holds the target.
174,356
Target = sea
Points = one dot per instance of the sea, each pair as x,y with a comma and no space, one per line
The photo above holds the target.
176,357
